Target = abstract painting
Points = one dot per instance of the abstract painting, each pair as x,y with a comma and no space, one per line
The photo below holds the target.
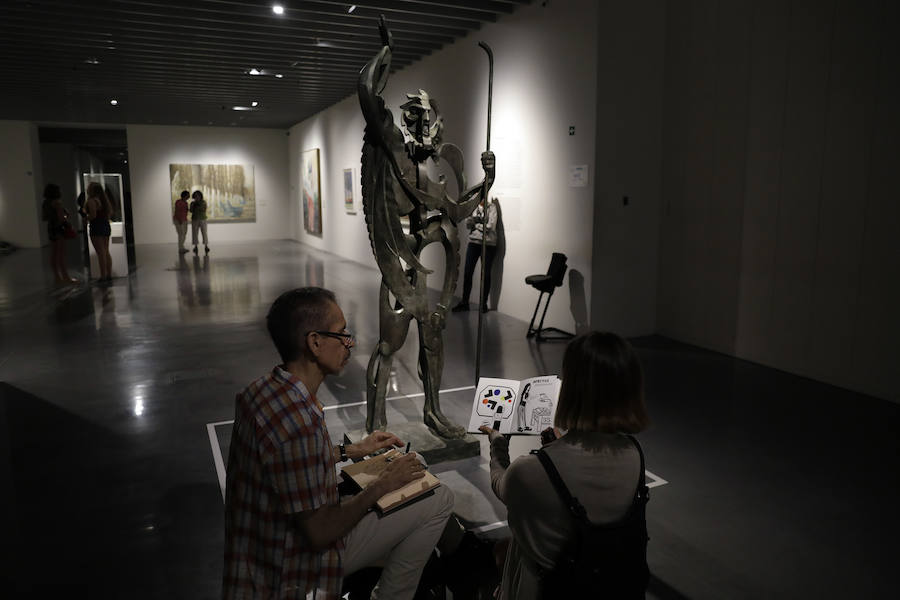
229,190
311,192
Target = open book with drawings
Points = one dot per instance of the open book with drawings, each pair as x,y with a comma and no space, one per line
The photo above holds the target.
524,407
366,471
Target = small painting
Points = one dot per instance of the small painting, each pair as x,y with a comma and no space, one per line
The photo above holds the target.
311,192
349,203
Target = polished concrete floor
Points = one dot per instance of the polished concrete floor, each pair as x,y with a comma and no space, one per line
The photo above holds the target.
115,403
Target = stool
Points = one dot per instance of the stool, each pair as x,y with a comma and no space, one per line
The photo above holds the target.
546,284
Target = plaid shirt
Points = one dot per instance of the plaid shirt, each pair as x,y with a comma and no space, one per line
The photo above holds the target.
280,463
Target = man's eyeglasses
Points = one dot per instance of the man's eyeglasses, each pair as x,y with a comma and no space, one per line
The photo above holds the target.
346,337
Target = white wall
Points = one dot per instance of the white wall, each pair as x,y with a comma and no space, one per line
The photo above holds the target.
779,234
544,81
151,148
631,58
20,184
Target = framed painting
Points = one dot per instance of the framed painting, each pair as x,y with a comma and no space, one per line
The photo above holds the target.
229,190
349,200
311,191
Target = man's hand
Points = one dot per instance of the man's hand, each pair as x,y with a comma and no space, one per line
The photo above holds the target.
372,443
398,473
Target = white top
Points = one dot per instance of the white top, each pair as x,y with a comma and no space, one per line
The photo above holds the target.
600,469
475,229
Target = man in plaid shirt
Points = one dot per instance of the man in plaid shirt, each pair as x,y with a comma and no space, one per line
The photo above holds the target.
287,534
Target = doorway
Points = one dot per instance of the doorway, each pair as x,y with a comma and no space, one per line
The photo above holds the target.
72,158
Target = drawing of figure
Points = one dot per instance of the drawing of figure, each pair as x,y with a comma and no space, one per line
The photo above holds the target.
520,413
395,184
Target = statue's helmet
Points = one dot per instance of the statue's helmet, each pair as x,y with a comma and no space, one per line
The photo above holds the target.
422,121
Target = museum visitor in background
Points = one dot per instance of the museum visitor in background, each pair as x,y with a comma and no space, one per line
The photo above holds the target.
198,219
58,230
482,224
180,220
100,212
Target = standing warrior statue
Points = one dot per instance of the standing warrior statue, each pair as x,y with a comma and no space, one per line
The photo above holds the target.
395,184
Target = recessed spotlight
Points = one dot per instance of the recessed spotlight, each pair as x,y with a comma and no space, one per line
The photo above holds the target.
278,75
278,9
254,71
254,104
351,9
114,102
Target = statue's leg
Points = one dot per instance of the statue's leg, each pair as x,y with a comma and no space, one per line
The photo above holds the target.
431,366
393,327
377,376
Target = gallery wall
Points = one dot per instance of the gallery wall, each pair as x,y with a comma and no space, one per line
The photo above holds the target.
780,213
544,83
151,148
20,184
628,184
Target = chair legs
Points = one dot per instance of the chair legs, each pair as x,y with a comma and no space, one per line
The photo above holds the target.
531,329
541,333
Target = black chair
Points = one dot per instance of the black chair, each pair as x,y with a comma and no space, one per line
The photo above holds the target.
546,284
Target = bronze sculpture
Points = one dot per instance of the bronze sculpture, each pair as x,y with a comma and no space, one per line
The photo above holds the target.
394,185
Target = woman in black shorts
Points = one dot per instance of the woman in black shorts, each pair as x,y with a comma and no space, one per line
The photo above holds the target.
100,211
57,221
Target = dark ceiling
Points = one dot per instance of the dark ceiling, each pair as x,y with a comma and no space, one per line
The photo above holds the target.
180,62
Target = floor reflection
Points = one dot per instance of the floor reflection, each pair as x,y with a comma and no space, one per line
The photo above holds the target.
218,290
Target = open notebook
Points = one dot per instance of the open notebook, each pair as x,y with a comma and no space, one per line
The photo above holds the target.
366,471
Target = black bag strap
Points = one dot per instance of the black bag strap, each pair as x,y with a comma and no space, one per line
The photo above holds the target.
575,507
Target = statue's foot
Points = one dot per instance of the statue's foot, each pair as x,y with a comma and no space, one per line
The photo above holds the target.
443,426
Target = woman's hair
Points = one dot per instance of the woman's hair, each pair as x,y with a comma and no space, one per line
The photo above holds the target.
293,315
51,191
51,194
197,195
602,386
185,194
95,190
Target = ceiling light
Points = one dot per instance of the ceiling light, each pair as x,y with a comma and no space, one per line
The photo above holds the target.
278,9
278,75
241,108
114,102
254,71
351,9
92,61
254,104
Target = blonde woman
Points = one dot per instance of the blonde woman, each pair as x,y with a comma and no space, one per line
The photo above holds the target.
100,210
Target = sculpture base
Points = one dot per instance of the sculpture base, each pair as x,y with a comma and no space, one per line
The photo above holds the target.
433,448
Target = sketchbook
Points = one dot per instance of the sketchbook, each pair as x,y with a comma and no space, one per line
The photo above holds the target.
366,471
524,407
